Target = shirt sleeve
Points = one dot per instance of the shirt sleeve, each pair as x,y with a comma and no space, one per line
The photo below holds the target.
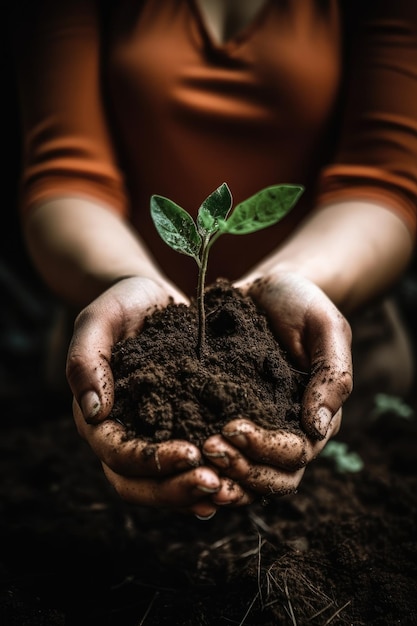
67,147
377,155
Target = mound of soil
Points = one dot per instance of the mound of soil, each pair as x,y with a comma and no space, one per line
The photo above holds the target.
342,551
179,394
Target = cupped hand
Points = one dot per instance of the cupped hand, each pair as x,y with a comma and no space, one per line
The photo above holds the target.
317,338
116,314
169,474
166,475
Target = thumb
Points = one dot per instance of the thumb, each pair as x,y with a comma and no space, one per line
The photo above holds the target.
88,368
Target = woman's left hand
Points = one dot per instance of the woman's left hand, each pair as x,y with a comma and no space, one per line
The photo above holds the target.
317,338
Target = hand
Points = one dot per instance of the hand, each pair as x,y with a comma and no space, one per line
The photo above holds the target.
170,474
318,340
167,475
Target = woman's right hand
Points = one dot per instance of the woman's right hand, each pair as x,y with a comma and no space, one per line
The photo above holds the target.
169,474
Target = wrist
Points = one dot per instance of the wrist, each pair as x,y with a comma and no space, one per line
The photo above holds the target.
335,285
155,285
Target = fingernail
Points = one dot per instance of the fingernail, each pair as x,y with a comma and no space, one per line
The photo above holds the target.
205,517
207,489
185,464
193,458
219,458
237,438
90,406
324,417
193,462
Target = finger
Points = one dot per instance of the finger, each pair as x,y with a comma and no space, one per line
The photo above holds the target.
292,452
259,477
231,494
279,448
331,379
203,511
315,446
254,476
180,491
135,457
88,368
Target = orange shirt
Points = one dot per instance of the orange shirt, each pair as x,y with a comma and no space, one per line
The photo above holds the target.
142,100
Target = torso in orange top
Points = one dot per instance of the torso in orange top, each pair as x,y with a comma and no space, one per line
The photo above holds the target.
187,113
207,113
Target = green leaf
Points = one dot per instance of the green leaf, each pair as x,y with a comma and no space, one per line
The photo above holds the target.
175,226
385,403
264,209
344,459
214,208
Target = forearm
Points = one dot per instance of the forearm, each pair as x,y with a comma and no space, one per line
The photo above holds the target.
353,251
80,248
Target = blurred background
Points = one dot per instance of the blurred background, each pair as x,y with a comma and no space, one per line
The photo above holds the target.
32,341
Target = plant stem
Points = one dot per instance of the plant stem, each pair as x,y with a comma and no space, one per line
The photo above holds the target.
200,298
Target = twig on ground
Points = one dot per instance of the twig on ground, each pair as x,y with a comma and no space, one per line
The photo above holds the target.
287,595
259,568
336,613
249,609
148,610
323,610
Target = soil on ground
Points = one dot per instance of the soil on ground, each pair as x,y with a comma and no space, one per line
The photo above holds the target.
341,551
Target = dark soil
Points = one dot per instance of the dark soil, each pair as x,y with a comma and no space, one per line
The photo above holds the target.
342,551
184,393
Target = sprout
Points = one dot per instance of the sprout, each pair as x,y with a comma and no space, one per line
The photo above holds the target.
345,460
385,403
178,229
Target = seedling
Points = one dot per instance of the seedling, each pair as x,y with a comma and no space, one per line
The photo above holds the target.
345,460
178,229
385,403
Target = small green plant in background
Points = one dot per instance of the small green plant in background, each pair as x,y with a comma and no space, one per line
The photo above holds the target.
384,403
344,459
178,229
